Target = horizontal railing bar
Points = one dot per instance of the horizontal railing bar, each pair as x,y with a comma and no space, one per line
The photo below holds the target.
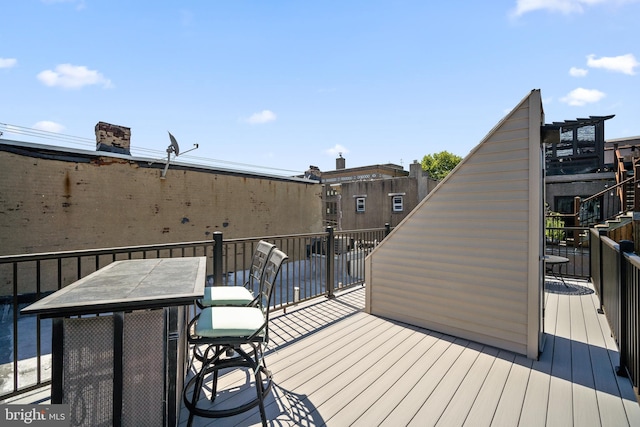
5,259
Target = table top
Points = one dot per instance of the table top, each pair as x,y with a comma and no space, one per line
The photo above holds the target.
555,259
128,285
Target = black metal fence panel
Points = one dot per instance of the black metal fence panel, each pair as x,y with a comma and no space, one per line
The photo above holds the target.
616,277
318,264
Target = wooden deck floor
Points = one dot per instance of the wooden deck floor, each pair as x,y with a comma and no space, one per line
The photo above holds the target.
335,365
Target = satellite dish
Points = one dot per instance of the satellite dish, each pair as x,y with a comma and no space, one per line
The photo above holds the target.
175,149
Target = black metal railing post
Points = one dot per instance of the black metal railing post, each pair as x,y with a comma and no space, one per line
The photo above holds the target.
217,258
601,234
387,229
330,262
626,246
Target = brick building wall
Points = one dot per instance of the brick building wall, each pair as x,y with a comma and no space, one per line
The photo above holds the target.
50,205
54,201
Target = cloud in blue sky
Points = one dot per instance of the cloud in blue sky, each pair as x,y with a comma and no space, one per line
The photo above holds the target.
264,116
69,76
578,72
8,62
80,4
580,97
49,126
561,6
336,150
623,64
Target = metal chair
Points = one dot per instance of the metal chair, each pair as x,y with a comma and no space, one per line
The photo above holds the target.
239,295
240,331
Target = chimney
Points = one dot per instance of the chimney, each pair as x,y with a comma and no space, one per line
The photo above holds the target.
340,162
113,138
415,169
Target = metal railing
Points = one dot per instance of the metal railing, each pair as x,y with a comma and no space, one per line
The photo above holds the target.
25,340
607,204
616,278
571,243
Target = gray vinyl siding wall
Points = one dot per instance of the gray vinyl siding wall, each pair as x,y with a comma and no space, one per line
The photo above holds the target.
461,262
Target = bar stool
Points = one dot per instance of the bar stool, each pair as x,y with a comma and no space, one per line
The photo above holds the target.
240,331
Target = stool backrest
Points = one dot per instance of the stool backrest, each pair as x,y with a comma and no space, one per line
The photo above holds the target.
271,271
258,263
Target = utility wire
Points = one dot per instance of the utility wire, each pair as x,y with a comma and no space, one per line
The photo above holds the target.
88,142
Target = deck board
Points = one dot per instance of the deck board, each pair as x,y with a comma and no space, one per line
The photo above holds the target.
437,403
560,408
387,402
536,401
512,398
461,403
406,410
585,404
486,403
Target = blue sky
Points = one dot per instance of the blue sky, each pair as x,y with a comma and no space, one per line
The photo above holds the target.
281,85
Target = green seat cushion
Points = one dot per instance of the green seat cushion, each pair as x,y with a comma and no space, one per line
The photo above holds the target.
218,322
226,295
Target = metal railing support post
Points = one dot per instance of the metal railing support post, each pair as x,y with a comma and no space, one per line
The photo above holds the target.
626,246
217,258
387,229
330,263
601,233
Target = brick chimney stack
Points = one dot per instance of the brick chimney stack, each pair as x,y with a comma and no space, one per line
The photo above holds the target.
113,138
341,163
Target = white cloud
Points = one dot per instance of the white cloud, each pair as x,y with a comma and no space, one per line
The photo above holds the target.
73,77
580,96
336,150
264,116
8,62
562,6
80,4
578,72
49,126
624,63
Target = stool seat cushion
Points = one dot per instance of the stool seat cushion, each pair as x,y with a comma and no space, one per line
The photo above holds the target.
226,295
218,322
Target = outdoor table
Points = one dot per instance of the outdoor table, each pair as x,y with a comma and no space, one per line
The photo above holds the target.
554,260
119,346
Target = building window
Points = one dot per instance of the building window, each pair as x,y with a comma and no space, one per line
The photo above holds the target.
398,205
360,204
397,202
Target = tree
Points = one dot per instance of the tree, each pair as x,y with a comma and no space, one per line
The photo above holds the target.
440,164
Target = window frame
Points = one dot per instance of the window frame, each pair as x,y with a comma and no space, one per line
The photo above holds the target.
397,203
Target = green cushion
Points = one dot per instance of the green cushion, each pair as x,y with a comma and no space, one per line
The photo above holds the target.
226,295
217,322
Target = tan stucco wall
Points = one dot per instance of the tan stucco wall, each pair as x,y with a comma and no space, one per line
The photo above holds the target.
51,205
378,209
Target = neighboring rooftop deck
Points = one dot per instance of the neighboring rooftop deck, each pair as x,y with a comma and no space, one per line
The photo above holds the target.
335,365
